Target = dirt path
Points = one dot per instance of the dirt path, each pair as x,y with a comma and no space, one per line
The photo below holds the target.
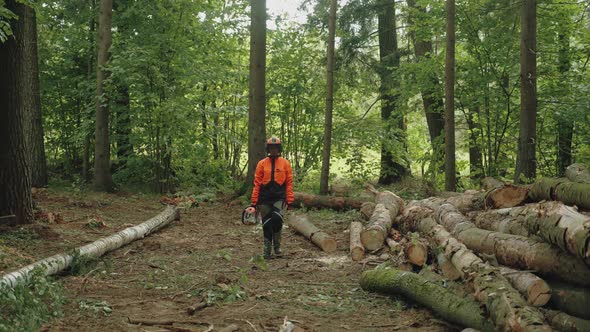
210,257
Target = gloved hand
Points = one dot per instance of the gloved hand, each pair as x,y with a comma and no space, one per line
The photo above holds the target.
251,209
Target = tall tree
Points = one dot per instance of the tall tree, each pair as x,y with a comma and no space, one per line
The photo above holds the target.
103,180
526,163
36,141
450,177
329,98
257,94
16,85
394,164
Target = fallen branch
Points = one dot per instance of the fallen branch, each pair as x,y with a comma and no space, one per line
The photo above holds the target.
357,251
329,202
303,226
60,262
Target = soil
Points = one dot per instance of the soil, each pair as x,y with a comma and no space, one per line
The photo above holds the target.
209,261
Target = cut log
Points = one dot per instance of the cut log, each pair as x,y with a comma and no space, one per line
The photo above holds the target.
374,235
440,300
416,251
436,278
507,220
507,308
505,196
60,262
563,322
303,226
535,290
570,193
490,183
393,203
447,268
394,246
514,250
357,251
578,173
570,299
327,202
367,209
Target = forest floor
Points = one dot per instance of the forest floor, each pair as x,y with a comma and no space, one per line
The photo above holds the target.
206,257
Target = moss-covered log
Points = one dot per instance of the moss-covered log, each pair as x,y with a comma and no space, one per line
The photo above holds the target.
565,323
442,301
570,193
373,236
327,202
570,299
514,250
578,173
357,251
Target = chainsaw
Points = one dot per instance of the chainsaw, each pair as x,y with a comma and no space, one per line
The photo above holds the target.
249,216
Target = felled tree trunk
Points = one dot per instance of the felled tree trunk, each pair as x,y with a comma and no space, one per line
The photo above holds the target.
442,301
327,202
374,235
507,220
60,262
357,251
507,308
303,226
447,268
456,287
514,250
578,173
504,196
535,290
563,322
570,193
570,299
416,251
367,209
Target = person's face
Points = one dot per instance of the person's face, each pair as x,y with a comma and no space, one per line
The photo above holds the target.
273,150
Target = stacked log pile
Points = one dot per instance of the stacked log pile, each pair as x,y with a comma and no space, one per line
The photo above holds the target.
523,255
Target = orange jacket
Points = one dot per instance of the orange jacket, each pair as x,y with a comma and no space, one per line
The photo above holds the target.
273,184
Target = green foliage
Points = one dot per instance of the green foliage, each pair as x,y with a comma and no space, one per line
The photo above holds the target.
30,304
5,16
96,307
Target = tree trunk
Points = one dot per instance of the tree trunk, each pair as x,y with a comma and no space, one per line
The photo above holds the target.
15,88
329,202
513,250
563,322
526,162
536,291
374,235
450,169
36,141
60,262
570,193
303,226
357,251
578,173
102,152
570,299
394,164
257,94
497,198
506,220
329,99
439,299
431,91
507,308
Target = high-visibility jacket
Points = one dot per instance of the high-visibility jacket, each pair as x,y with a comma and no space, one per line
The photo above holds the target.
273,181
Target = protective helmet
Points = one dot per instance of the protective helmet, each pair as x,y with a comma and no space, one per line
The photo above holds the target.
274,141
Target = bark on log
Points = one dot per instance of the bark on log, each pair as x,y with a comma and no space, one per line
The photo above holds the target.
367,209
302,225
394,246
447,268
393,203
374,235
563,322
329,202
442,301
570,299
578,173
455,287
514,250
570,193
495,198
535,290
506,306
357,251
506,220
60,262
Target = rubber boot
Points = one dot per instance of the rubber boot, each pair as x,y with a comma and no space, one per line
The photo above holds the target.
267,248
277,244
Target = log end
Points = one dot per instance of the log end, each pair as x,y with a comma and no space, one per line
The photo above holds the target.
506,197
372,239
329,245
357,254
539,293
416,253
